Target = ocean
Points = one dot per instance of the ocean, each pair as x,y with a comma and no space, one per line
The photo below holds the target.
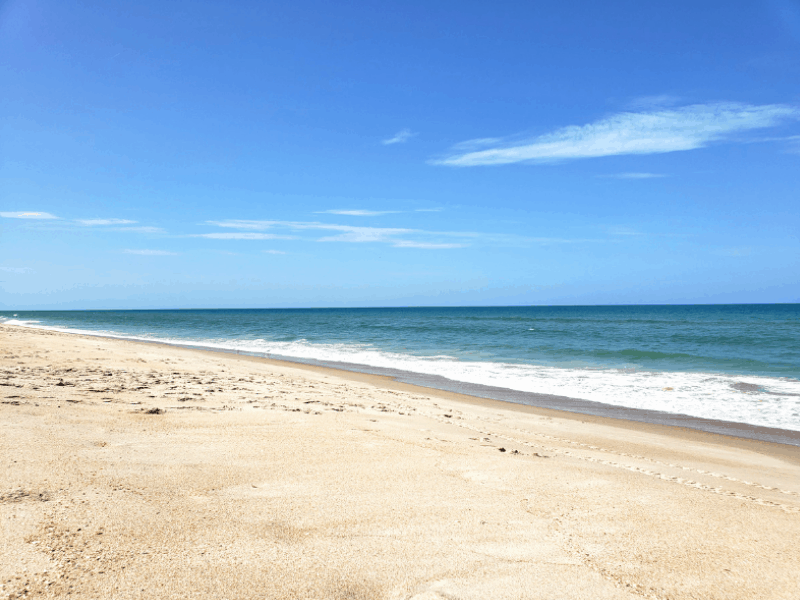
736,363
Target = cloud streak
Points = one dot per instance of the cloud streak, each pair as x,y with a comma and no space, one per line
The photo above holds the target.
400,137
93,222
426,245
125,225
634,176
27,215
242,236
653,132
150,252
396,236
367,233
357,213
142,229
623,231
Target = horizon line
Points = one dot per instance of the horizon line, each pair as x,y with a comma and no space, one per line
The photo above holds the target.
408,306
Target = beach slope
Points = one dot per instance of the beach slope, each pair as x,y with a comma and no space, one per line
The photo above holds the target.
135,470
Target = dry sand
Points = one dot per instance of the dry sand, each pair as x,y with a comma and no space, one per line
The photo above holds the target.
132,470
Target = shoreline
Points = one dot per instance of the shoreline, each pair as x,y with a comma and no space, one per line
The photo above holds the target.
552,405
133,470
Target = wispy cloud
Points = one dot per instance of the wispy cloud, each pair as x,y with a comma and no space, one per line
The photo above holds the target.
91,222
142,229
775,138
549,241
150,252
27,215
425,245
396,236
357,212
428,209
242,236
649,132
634,175
364,234
623,231
114,225
244,224
16,269
101,224
791,143
400,137
656,101
273,252
474,144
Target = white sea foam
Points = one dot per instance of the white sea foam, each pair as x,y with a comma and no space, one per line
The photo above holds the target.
705,395
19,321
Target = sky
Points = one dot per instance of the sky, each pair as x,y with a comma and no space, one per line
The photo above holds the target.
316,154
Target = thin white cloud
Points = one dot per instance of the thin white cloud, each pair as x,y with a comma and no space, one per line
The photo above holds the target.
364,234
777,138
273,252
650,102
653,132
244,224
242,236
91,222
474,144
634,175
623,231
395,236
400,137
428,209
425,245
117,223
357,212
150,252
27,215
16,269
142,229
344,233
547,241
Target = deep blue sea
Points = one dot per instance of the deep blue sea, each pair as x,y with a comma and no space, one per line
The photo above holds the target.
728,362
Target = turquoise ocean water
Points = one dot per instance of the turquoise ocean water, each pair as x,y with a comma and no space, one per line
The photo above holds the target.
736,363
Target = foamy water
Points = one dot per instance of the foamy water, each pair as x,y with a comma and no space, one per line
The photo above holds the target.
746,398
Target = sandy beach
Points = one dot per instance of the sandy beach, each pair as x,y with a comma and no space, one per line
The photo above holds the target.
135,470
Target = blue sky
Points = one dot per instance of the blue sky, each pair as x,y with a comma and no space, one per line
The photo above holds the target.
218,154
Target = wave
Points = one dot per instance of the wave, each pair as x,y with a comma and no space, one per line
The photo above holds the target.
757,400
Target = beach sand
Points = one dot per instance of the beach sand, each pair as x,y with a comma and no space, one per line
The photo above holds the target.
135,470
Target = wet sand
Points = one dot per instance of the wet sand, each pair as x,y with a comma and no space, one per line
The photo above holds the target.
134,470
